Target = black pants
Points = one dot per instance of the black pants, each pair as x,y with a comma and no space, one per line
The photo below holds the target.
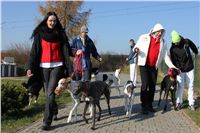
51,77
148,78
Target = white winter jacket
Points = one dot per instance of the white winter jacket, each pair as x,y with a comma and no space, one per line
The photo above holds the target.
143,45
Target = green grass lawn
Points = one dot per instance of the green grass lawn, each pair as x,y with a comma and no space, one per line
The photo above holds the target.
194,115
12,122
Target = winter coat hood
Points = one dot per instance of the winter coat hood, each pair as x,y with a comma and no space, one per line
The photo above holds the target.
157,27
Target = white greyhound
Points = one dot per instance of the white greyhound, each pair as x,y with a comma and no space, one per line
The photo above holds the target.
129,96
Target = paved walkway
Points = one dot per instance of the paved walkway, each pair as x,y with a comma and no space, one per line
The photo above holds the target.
169,122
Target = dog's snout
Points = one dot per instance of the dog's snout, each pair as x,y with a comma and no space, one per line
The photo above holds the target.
61,86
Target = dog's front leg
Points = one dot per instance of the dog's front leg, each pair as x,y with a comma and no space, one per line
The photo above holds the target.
90,110
119,81
119,91
84,112
128,113
131,105
173,98
94,116
125,103
167,93
98,105
160,97
36,98
76,103
107,96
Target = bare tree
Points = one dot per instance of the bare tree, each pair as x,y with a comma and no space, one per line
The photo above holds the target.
69,14
20,51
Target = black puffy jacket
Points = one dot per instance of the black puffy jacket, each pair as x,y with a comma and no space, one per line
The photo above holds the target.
181,56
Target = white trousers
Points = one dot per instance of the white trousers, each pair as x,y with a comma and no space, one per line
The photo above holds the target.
133,73
189,77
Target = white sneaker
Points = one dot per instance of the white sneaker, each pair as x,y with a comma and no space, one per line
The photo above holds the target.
192,108
178,106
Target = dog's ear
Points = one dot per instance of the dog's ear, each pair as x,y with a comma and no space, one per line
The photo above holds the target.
105,77
68,80
129,82
58,91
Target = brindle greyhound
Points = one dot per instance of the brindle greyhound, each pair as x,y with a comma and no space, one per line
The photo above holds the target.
169,84
93,91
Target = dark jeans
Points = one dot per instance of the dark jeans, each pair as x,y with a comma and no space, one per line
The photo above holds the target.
148,78
87,74
51,77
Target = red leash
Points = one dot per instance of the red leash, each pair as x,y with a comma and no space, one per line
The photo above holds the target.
79,65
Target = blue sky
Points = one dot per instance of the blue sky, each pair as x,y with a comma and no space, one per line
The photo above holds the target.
111,24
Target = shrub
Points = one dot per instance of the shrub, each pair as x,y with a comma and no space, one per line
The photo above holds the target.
13,97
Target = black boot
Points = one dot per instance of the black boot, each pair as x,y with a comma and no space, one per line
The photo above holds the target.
46,127
145,110
150,108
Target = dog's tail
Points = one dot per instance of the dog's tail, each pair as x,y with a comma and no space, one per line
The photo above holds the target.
110,82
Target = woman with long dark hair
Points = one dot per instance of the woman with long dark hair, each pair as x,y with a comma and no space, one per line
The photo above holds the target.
49,59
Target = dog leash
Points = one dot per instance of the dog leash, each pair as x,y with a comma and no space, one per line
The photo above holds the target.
136,63
79,67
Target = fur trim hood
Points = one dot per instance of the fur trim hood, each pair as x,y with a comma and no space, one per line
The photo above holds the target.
157,27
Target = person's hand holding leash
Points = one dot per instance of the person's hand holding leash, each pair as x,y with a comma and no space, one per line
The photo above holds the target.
100,59
29,73
78,52
136,50
178,70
